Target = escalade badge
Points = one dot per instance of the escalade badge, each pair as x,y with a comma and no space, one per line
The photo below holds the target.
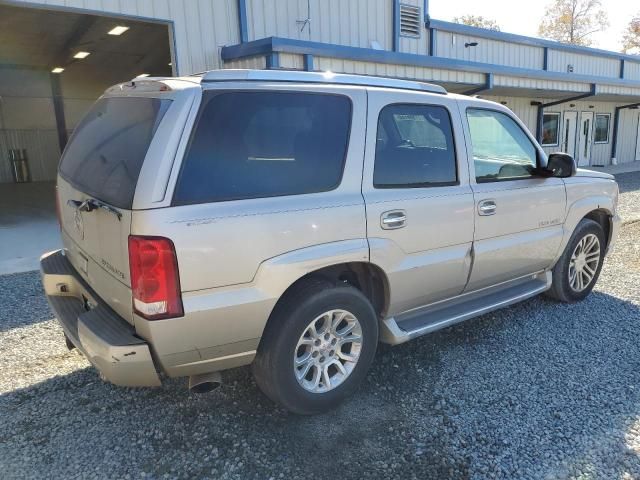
77,218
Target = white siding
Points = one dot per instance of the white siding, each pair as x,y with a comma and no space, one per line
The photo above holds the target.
354,23
201,26
628,135
451,45
292,61
526,82
397,71
632,70
256,63
584,64
619,90
420,45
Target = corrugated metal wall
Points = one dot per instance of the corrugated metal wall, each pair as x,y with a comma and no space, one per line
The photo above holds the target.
535,83
399,71
632,71
201,26
452,45
419,45
42,147
355,23
584,64
628,137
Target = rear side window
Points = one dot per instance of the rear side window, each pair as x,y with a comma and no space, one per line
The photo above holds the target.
414,147
265,144
106,152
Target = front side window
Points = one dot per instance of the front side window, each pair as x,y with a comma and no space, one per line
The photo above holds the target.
265,144
414,147
500,148
602,128
550,129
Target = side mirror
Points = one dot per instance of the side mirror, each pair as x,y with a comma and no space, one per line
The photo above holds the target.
561,165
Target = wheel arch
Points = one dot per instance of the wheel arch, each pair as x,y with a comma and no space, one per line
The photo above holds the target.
597,208
605,219
365,276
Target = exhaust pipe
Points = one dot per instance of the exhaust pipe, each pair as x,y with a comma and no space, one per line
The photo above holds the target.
205,382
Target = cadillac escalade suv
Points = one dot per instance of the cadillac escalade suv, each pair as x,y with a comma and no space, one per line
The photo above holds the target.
293,220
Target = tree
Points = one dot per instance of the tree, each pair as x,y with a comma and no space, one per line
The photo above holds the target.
478,21
573,21
631,37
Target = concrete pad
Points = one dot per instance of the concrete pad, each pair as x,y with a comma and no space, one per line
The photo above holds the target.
28,225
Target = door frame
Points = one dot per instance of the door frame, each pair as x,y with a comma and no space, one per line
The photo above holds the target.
583,114
565,141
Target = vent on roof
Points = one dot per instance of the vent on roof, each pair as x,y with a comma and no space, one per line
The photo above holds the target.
409,20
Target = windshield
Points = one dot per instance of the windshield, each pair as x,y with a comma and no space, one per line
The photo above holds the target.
106,152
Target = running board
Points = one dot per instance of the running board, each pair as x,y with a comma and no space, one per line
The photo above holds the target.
449,312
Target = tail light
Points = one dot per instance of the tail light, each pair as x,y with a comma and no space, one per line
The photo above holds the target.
155,282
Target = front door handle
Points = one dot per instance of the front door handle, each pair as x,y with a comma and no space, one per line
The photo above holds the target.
487,207
393,219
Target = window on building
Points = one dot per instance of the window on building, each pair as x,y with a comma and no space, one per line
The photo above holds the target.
414,147
501,149
601,134
551,129
265,144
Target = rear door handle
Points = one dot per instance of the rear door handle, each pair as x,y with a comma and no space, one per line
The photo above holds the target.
487,207
393,219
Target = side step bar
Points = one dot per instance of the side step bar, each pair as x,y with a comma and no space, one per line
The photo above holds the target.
449,312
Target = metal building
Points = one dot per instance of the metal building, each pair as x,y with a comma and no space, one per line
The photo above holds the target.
581,100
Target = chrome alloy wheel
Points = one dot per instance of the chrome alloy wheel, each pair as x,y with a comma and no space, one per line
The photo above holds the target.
327,351
584,262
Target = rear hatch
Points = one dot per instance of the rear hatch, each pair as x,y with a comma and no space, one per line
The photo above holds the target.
96,185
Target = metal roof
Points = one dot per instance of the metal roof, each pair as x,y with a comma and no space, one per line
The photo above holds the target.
318,77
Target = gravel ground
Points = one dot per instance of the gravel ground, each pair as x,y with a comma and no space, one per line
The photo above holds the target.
539,390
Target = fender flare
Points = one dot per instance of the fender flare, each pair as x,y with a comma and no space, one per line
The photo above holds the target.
580,209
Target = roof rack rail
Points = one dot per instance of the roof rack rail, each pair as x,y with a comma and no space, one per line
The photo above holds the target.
229,75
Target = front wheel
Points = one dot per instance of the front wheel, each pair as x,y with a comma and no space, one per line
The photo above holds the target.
317,348
578,269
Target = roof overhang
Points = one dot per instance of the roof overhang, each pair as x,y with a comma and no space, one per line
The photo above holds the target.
574,82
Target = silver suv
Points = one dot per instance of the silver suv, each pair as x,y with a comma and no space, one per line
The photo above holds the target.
293,220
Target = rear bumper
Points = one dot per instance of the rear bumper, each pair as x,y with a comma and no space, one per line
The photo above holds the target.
108,341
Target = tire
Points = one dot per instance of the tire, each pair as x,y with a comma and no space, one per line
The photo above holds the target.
289,325
562,288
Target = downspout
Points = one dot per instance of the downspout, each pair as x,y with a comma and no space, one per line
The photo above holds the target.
242,21
396,26
488,85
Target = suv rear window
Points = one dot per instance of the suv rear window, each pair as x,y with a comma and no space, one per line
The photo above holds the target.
106,152
265,144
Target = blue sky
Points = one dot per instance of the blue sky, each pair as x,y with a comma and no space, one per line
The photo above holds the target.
523,17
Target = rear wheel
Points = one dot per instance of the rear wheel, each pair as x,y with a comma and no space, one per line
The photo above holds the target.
578,269
317,348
